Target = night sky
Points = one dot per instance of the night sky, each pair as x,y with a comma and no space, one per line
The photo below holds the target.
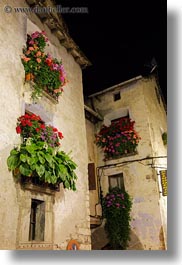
119,38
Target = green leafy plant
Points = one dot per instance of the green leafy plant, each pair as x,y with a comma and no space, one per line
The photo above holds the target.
46,72
38,159
164,138
116,209
38,154
118,139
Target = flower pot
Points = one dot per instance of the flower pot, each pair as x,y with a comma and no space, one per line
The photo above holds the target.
29,77
35,180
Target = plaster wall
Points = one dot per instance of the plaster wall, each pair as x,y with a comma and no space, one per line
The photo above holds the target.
67,212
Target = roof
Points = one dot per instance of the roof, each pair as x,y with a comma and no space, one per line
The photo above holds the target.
116,86
92,115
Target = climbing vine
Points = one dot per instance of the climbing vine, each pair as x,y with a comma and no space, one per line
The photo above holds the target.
116,208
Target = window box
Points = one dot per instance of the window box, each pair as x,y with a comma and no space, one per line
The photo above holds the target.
119,139
38,156
35,184
41,69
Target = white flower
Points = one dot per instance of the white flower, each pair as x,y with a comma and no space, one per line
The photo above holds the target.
45,145
18,147
28,141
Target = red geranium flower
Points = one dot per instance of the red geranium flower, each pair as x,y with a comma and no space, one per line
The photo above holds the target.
35,117
29,123
60,135
54,129
42,126
48,61
18,129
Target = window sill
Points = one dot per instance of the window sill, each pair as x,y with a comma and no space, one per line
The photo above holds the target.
28,91
32,245
53,100
117,159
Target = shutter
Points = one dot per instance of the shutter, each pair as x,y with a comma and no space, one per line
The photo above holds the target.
91,176
40,221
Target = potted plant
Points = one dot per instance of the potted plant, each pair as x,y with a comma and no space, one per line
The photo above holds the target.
118,139
164,138
46,73
38,156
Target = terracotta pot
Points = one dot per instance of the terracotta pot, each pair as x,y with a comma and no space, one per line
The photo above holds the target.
29,77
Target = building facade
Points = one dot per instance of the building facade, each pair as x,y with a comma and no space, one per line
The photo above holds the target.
65,213
140,172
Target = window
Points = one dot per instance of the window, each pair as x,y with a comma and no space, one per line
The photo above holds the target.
116,181
117,96
91,176
119,138
37,220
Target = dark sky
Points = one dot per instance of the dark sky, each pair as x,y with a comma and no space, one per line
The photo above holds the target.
119,38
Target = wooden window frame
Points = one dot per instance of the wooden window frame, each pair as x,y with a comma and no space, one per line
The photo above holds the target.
120,183
34,225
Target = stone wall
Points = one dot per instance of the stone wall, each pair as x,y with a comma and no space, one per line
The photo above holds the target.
138,99
67,212
92,158
158,125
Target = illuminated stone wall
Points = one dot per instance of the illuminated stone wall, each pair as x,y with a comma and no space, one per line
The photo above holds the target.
67,212
138,98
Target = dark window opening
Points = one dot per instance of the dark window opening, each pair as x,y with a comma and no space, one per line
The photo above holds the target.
116,181
37,220
119,119
117,96
123,129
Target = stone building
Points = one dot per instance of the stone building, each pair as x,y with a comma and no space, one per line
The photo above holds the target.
66,213
140,173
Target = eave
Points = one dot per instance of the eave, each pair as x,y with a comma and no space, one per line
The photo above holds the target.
58,27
